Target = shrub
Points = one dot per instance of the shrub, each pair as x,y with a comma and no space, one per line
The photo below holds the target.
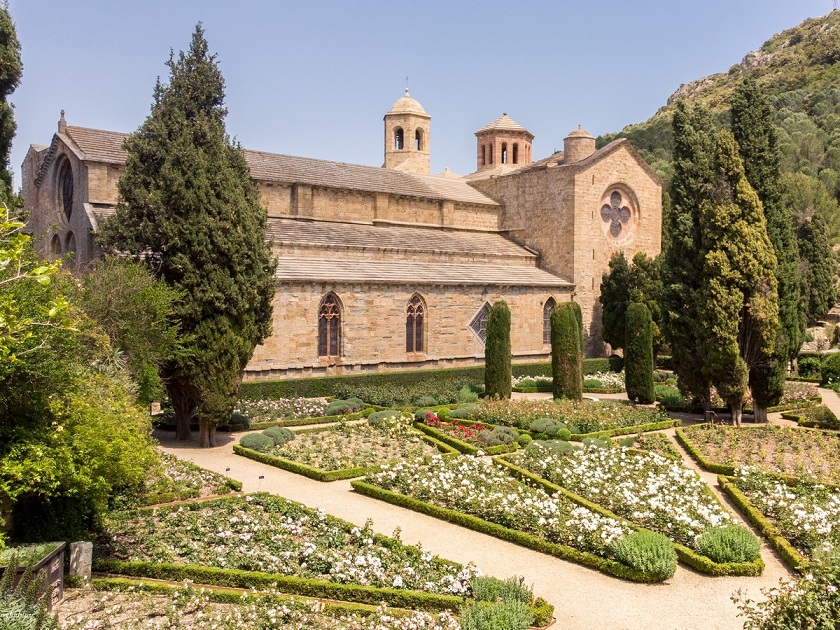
497,353
823,416
647,551
257,442
340,406
638,354
671,398
499,435
566,352
551,427
596,442
810,367
380,419
830,372
280,435
467,395
421,414
239,422
524,440
733,543
19,605
426,401
559,447
507,615
490,589
466,411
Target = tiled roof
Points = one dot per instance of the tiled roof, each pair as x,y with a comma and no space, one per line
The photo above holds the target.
412,272
106,146
399,237
503,123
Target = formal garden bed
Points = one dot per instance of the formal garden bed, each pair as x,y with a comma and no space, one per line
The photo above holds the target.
295,412
466,436
783,451
797,395
595,383
342,451
653,442
817,417
653,492
181,480
582,419
481,495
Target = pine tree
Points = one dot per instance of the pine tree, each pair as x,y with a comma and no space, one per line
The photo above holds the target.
638,354
190,210
11,69
818,267
682,267
566,352
738,301
497,352
755,133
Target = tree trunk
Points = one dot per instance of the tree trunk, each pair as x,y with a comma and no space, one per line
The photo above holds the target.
760,413
184,405
737,412
207,433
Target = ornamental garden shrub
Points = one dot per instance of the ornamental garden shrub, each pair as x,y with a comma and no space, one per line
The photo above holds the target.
647,551
510,615
638,354
830,372
822,416
342,406
19,605
557,447
497,352
566,352
500,435
239,422
380,419
732,543
551,427
524,440
490,589
671,398
467,411
426,401
809,367
280,435
467,395
257,442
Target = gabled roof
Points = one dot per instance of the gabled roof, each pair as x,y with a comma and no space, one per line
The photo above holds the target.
97,145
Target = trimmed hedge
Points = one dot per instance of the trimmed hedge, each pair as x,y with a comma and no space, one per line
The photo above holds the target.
414,600
325,385
638,354
610,567
299,422
460,445
639,428
566,352
685,554
788,552
319,474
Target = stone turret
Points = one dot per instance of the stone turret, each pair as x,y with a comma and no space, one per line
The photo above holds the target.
579,144
407,136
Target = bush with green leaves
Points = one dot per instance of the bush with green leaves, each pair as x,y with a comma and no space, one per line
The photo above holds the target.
809,367
280,435
647,551
239,422
21,606
822,416
467,411
671,398
490,589
566,352
559,447
426,401
257,442
524,440
504,615
638,354
732,543
467,395
830,372
381,419
498,436
551,427
342,406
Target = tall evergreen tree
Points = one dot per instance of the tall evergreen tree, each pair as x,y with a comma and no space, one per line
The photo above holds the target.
189,208
738,311
566,351
638,354
818,267
682,268
11,69
497,353
755,133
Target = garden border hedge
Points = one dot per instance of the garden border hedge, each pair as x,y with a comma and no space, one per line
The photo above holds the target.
611,567
802,421
299,422
318,474
308,587
637,428
686,555
460,445
782,545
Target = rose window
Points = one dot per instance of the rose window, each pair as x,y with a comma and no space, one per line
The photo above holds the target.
616,214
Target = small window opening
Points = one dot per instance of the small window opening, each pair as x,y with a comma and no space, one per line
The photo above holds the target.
418,140
548,309
399,141
504,153
515,153
329,327
414,322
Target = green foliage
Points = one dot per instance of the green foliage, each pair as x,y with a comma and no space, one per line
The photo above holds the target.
671,398
383,418
638,355
648,552
525,439
819,267
809,367
491,589
830,372
732,543
257,442
427,401
504,615
566,352
190,210
819,416
558,447
280,435
551,427
341,406
467,411
499,436
20,608
467,395
11,69
497,352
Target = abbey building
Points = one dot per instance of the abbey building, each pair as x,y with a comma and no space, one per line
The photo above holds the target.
391,267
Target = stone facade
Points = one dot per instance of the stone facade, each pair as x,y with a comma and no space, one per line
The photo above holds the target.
360,249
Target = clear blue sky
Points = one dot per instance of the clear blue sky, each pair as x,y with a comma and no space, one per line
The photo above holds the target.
314,78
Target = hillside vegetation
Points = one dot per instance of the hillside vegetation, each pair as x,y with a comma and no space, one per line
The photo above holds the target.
799,71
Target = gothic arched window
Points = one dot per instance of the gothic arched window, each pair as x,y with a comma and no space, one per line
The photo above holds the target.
399,140
65,183
329,327
415,317
548,308
55,247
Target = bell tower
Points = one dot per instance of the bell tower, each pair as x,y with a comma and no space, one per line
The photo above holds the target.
504,144
407,136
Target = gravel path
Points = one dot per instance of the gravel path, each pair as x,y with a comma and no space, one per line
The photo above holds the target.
583,598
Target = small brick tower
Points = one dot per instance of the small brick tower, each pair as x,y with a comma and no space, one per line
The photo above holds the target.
504,143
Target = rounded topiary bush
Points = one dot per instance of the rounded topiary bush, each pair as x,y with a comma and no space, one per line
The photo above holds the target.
810,367
426,401
421,414
648,552
500,435
733,543
341,406
467,411
596,442
551,427
557,447
638,354
380,419
830,369
239,422
280,435
524,440
257,442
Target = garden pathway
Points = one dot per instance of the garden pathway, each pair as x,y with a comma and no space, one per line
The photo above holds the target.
583,598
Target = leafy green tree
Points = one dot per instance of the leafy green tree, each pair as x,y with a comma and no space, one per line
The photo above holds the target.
135,309
806,196
497,352
11,70
818,268
638,354
566,352
189,208
738,299
755,134
682,273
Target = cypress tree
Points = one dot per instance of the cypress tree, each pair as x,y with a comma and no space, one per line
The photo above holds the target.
497,353
818,267
755,134
11,69
638,354
738,301
682,268
566,355
189,209
614,298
